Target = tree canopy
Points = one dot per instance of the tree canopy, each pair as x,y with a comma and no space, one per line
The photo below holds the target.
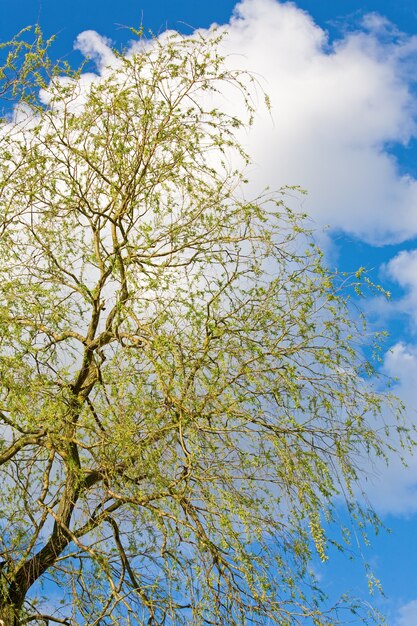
183,395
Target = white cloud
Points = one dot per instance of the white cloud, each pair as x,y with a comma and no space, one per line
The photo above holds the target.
97,47
407,614
392,488
335,108
403,270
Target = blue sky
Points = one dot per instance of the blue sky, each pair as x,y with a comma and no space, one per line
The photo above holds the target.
342,78
105,16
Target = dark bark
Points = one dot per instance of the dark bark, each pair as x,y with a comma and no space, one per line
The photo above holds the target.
20,580
23,578
15,592
9,615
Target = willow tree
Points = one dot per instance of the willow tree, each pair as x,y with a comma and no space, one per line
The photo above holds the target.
181,397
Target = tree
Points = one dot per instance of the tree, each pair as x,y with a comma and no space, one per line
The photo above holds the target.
182,392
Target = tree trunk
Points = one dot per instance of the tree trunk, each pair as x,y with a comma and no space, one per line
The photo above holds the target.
9,615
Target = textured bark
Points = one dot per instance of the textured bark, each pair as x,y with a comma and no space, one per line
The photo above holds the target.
9,615
36,566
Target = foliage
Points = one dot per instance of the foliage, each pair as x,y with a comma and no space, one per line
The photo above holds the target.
182,397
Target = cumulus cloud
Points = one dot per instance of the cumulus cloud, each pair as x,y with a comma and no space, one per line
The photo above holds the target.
401,269
407,614
392,488
336,107
96,47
